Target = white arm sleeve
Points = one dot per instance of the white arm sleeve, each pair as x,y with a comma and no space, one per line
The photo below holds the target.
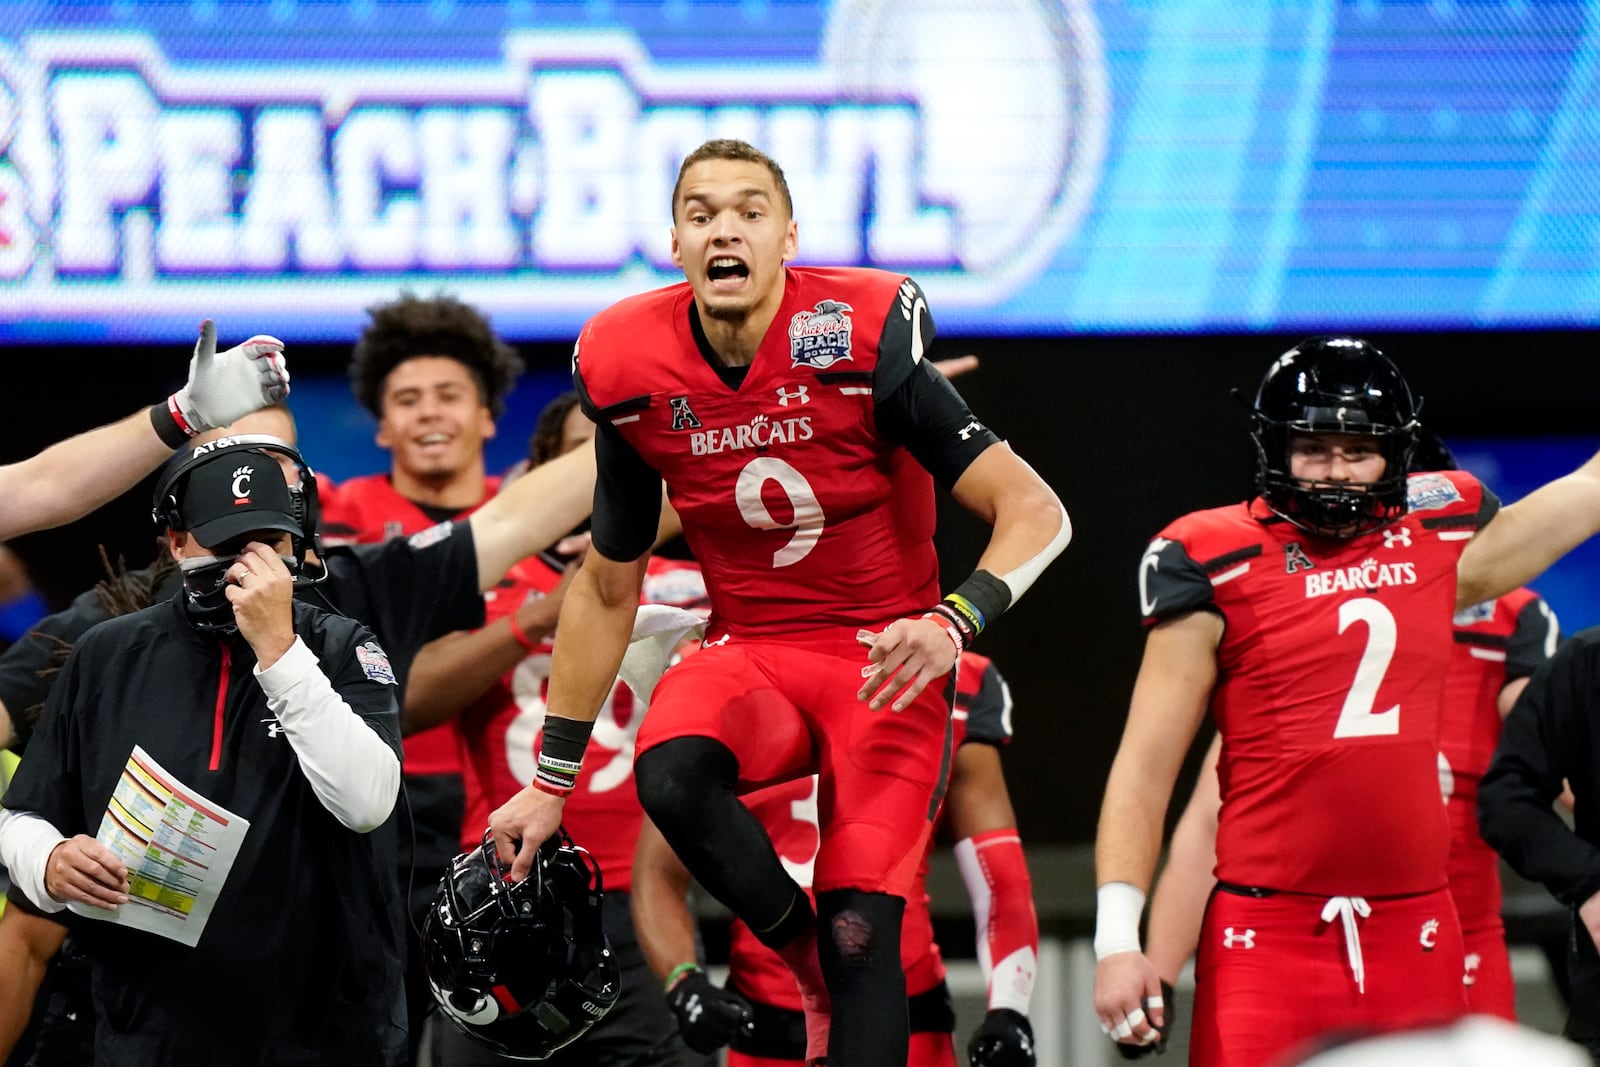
1019,578
26,841
351,769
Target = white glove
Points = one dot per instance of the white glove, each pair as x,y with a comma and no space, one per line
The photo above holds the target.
225,385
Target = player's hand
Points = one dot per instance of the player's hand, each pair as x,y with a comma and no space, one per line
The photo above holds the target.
1169,1005
84,871
1004,1040
709,1016
1128,999
522,824
905,657
223,386
261,590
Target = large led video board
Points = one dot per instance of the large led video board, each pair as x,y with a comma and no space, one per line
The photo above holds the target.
1041,166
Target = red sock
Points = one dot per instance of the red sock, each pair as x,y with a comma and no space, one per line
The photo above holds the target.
801,957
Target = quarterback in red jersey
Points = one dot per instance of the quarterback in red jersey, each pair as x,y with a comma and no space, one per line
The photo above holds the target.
759,1013
1314,623
799,431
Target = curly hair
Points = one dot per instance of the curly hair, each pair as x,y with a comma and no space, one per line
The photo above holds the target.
441,326
545,443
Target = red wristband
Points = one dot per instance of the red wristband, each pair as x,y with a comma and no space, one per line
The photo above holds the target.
949,628
521,635
544,787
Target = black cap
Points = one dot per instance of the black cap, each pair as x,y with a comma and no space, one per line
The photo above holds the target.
235,493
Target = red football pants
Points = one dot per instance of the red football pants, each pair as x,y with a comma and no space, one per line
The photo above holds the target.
788,710
1475,886
927,1050
1271,974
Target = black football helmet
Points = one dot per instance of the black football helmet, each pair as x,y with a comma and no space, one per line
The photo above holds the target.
1334,385
522,968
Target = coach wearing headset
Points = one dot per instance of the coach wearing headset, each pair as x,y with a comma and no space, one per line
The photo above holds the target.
278,711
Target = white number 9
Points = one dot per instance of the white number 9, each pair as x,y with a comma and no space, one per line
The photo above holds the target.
808,520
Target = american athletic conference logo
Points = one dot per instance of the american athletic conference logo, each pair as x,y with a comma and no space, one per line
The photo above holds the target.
820,337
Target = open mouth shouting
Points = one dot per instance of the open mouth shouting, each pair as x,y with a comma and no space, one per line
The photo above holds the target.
727,274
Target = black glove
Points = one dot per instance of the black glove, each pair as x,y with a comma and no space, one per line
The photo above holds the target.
1004,1040
709,1016
1169,1010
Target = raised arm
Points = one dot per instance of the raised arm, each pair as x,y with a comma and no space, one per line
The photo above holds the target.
1525,538
535,511
73,477
1170,697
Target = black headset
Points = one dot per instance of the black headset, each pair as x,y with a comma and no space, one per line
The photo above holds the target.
304,504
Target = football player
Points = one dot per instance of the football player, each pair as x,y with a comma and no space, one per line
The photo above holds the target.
1314,623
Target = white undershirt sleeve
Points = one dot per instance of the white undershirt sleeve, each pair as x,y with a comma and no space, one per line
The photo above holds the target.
26,841
352,770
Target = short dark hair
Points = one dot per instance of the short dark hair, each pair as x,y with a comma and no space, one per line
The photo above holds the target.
739,151
545,443
441,326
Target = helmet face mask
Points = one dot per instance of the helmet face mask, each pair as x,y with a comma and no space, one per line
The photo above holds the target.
1334,385
522,968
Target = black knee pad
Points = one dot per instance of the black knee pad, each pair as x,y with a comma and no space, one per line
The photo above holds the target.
859,930
681,782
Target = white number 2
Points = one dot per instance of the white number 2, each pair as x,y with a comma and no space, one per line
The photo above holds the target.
1357,719
808,520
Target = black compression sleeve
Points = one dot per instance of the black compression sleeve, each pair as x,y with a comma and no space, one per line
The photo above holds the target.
627,497
933,422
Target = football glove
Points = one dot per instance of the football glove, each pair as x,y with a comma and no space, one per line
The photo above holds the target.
223,386
709,1016
1003,1040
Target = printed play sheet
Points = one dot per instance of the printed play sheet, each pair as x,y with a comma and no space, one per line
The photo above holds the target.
179,848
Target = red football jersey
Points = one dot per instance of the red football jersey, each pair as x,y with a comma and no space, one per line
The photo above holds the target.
503,726
368,510
1330,682
1496,642
799,511
789,814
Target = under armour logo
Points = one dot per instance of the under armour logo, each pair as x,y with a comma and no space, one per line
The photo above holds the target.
1400,538
1471,975
693,1010
274,727
1429,935
719,641
784,396
969,429
1247,938
682,417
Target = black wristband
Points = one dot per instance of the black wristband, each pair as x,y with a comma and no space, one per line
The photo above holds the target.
166,424
560,758
979,600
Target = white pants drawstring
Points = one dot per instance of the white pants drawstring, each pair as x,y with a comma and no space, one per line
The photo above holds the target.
1347,908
